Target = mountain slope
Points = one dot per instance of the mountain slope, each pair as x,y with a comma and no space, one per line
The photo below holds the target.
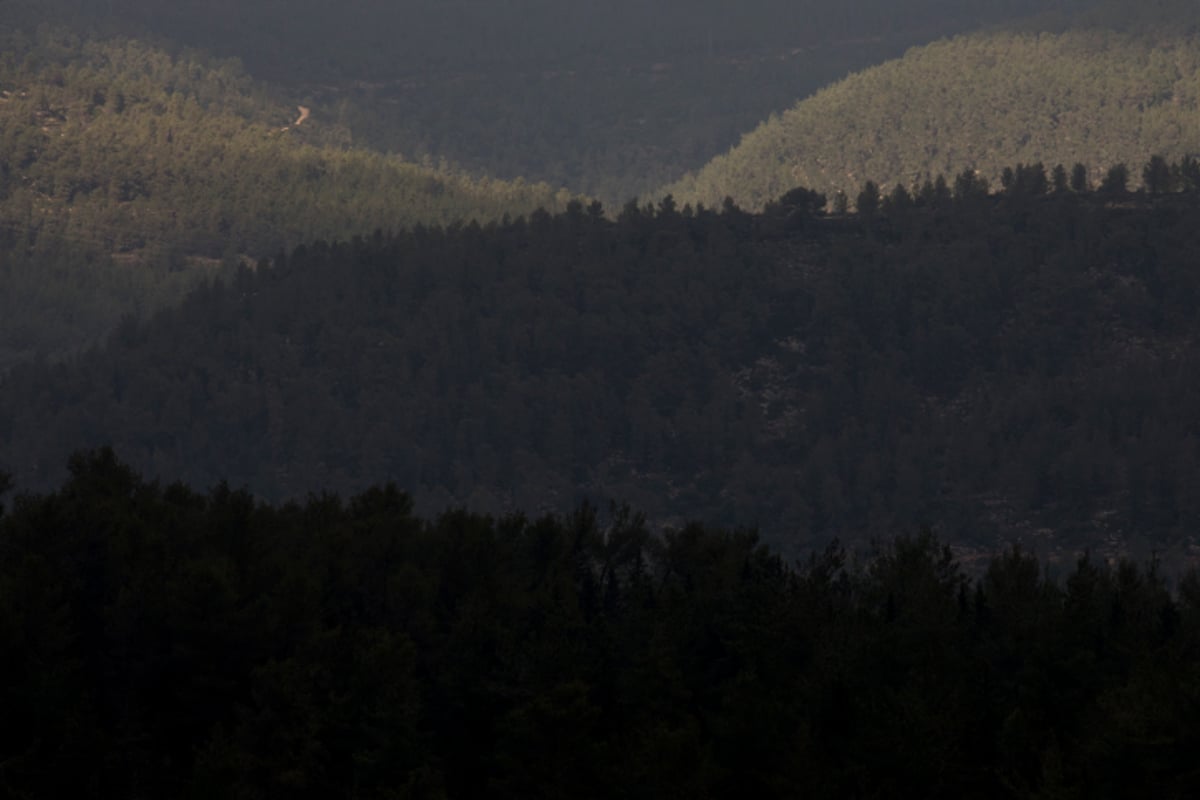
104,136
978,102
120,166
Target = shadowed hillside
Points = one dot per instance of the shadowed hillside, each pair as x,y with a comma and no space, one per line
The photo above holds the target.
1006,367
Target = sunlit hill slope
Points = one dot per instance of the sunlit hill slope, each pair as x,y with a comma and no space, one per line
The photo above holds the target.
979,102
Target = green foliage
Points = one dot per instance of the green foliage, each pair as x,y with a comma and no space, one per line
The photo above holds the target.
199,158
977,102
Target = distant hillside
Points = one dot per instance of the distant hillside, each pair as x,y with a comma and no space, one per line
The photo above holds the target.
121,140
612,99
979,102
115,155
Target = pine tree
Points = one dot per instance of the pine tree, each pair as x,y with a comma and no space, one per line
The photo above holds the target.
1079,179
1116,181
1156,175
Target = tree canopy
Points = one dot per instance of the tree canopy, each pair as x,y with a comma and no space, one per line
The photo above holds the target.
160,641
999,365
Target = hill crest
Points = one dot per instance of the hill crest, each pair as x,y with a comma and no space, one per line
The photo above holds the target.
979,102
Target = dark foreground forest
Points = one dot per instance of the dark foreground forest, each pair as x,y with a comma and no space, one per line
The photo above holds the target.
160,642
1016,366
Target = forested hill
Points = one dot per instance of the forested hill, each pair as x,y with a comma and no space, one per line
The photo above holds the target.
123,169
1010,366
611,99
116,140
980,102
